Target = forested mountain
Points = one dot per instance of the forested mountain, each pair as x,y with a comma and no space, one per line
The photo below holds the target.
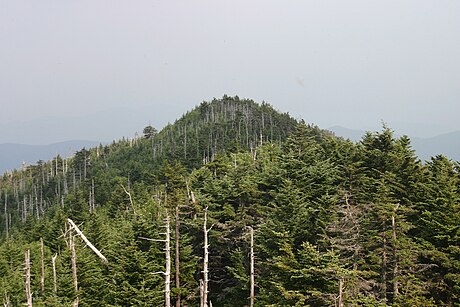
234,192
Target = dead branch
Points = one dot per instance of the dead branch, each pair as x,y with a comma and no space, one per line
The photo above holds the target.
94,249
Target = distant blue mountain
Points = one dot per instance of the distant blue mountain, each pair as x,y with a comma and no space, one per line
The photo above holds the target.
447,144
13,155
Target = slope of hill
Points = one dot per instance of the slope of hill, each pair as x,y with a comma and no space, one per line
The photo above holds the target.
248,192
222,125
12,155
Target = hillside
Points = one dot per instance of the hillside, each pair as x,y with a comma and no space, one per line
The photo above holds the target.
173,212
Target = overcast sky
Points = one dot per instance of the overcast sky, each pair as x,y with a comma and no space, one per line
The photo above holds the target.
103,69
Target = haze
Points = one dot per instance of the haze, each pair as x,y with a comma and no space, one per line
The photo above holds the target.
100,70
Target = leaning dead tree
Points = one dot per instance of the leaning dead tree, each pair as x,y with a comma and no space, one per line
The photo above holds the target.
88,243
130,198
75,231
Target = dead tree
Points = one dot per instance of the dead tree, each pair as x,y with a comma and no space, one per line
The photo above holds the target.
201,293
42,279
93,195
88,243
27,269
74,270
395,254
74,228
177,254
130,198
6,215
340,298
53,260
384,267
205,259
91,198
7,302
251,294
167,272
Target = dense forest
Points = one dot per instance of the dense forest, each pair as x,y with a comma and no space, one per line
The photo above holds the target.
235,204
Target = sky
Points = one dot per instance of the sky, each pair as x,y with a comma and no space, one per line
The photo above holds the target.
100,70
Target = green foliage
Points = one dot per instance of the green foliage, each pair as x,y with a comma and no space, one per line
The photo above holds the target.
368,217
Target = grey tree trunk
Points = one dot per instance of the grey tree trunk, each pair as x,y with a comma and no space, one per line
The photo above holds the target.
42,278
384,265
201,293
395,256
88,243
168,263
251,294
6,215
340,302
177,254
53,260
74,270
205,259
28,293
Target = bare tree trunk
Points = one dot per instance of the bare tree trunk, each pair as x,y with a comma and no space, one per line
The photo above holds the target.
130,198
384,264
64,175
92,194
24,210
84,167
7,302
28,293
42,279
185,141
89,202
6,214
251,294
340,303
168,264
53,260
74,184
88,243
74,270
201,293
205,259
395,256
6,224
177,255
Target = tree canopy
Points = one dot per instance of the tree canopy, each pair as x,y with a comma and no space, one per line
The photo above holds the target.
336,223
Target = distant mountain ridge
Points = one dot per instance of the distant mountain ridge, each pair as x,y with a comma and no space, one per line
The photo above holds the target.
447,144
13,155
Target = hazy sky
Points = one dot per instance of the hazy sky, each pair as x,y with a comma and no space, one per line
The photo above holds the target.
102,69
